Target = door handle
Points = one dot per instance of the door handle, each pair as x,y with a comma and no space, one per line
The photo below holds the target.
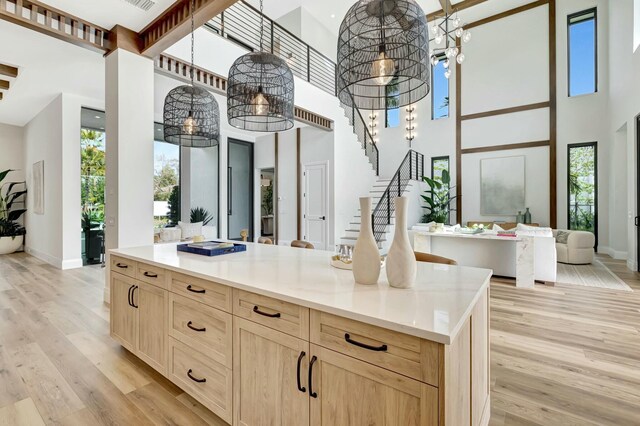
150,275
133,293
348,338
229,186
323,218
637,221
300,357
258,311
193,290
129,297
311,392
195,379
190,325
121,265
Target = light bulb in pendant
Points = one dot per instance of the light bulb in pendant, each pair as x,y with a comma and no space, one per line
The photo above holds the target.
456,22
260,103
190,125
382,69
438,39
447,73
434,60
445,64
454,52
459,32
460,58
434,29
466,37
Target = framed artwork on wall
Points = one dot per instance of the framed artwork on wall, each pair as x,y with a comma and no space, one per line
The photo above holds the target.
502,186
38,187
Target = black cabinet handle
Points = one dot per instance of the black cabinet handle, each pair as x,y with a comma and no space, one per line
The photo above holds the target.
311,392
382,348
195,379
195,328
121,265
192,290
133,292
637,221
229,191
150,275
129,296
300,388
258,311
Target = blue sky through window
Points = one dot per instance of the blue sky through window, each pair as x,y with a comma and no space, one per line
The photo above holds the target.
440,92
582,57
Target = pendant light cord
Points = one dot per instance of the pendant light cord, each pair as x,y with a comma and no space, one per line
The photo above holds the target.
261,26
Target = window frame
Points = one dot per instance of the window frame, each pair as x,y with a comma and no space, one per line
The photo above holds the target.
441,57
571,16
595,184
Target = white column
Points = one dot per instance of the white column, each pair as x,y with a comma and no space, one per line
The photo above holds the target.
129,151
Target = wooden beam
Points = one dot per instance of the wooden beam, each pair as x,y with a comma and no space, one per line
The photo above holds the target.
446,6
506,147
0,96
553,117
8,70
502,111
175,23
124,38
506,13
4,84
456,8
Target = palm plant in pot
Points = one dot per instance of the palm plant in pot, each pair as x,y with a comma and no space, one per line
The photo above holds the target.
438,199
11,232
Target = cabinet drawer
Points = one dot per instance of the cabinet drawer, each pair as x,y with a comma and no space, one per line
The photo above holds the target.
204,379
152,275
123,266
408,355
282,316
207,292
202,327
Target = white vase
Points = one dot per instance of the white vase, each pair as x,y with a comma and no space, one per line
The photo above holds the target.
9,244
366,255
401,263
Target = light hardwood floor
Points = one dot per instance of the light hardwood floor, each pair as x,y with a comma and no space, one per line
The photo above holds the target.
563,355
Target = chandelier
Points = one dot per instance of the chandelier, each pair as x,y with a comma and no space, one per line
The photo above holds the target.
448,35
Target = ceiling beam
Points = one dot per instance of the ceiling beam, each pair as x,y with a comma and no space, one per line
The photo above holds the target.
446,5
4,84
455,8
175,24
8,71
0,96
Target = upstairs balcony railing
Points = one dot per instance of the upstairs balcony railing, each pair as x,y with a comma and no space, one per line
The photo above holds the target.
240,23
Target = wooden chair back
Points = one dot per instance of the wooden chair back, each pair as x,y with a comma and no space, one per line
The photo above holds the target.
432,258
302,244
265,240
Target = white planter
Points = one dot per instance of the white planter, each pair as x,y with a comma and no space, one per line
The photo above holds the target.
401,261
366,256
9,244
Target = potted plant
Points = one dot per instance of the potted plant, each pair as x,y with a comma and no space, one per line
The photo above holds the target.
11,232
200,214
438,199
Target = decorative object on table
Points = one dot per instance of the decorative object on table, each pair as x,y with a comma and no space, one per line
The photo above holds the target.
191,114
502,185
244,234
366,255
200,214
260,91
519,217
383,43
527,216
212,248
38,187
438,199
12,195
198,238
451,31
401,260
471,231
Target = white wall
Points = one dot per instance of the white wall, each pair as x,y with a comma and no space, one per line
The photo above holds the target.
301,23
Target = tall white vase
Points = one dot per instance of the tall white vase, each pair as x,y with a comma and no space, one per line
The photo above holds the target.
401,263
366,256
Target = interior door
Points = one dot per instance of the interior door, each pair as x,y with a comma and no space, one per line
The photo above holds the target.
240,189
316,204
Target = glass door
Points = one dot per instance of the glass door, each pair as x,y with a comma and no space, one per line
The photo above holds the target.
583,187
240,189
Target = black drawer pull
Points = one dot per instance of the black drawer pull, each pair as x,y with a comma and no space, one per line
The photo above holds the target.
194,378
192,290
300,388
311,392
133,292
195,328
150,275
129,296
121,265
382,348
258,311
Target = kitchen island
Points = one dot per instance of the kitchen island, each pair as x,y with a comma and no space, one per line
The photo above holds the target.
275,335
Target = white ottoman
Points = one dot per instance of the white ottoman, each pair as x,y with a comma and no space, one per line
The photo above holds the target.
575,247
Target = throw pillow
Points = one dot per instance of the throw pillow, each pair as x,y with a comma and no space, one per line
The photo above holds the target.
190,230
497,228
562,237
523,227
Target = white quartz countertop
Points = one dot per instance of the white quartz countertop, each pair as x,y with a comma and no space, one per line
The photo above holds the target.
434,309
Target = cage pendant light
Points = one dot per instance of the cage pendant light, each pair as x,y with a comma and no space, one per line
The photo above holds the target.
383,46
260,91
191,114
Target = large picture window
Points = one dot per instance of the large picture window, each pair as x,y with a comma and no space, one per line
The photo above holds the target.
583,52
166,180
582,188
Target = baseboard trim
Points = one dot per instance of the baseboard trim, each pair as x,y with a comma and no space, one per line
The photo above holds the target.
614,254
71,264
632,265
51,260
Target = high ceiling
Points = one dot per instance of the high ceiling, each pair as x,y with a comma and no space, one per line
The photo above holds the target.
108,13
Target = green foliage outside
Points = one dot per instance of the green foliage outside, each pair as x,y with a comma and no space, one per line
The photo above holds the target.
174,206
267,200
164,179
438,198
92,175
582,188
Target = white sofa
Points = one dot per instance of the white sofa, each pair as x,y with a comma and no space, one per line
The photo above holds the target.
173,234
578,248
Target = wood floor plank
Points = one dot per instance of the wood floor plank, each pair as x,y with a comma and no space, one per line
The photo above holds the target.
22,413
200,410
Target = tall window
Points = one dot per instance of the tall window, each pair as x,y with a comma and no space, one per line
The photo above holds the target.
583,52
440,172
166,180
392,112
583,187
438,165
439,90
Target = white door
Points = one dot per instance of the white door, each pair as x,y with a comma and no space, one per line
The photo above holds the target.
316,202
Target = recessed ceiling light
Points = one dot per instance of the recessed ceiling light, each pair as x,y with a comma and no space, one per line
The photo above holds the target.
333,15
97,116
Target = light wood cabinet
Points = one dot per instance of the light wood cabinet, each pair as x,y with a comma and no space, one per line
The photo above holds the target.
347,391
152,306
270,372
124,316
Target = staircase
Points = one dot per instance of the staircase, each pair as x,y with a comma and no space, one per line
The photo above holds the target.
383,194
361,130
